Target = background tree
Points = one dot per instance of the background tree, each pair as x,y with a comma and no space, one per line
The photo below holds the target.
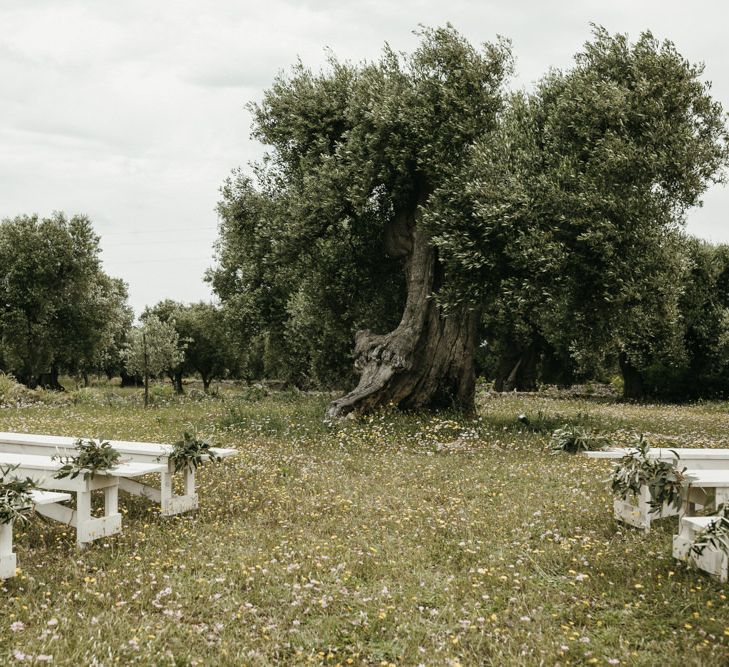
201,329
109,358
577,201
54,298
152,348
699,366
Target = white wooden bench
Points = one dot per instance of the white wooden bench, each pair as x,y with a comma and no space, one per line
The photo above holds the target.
8,560
636,511
694,458
139,452
42,470
711,559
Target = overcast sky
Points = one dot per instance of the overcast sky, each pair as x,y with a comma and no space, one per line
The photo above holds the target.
133,112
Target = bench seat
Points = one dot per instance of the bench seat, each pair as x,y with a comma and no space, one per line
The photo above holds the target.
136,452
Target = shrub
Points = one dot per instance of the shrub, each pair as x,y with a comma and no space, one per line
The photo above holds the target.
12,393
574,439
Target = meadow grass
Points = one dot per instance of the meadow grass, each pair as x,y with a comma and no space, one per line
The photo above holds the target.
396,539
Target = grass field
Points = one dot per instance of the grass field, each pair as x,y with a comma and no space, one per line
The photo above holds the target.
398,539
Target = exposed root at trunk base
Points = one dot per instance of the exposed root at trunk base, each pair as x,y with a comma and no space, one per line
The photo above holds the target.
427,362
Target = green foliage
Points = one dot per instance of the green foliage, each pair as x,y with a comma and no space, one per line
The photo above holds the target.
94,456
309,249
191,452
14,495
575,439
715,535
576,202
153,347
638,468
58,305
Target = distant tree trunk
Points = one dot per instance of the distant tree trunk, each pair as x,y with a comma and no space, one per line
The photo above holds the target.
50,380
518,369
632,380
428,360
128,380
177,382
146,371
206,380
85,376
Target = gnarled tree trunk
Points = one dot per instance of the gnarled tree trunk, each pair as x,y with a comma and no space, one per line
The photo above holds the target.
428,360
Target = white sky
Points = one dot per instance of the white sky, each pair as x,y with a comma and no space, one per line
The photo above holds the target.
133,112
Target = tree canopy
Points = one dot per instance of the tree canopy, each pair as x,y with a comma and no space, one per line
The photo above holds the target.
548,220
57,307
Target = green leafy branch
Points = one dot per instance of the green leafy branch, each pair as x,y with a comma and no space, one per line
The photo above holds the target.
574,439
94,456
665,480
191,452
715,535
14,495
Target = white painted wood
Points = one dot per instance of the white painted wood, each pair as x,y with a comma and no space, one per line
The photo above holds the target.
135,452
712,560
696,459
131,486
42,470
636,511
8,559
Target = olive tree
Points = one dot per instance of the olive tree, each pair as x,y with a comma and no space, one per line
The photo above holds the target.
577,200
356,154
151,349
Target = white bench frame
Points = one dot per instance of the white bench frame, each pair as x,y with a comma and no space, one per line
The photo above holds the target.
8,559
712,560
636,511
138,452
42,470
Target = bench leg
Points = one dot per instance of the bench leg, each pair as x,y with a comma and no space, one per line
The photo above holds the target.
189,482
89,528
169,503
8,561
172,504
111,500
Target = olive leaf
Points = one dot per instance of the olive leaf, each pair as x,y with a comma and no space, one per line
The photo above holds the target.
94,456
14,495
191,451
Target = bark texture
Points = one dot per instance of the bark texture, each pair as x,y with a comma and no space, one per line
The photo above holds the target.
428,360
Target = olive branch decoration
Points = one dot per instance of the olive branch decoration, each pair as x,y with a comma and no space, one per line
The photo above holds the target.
14,495
665,480
94,456
191,452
